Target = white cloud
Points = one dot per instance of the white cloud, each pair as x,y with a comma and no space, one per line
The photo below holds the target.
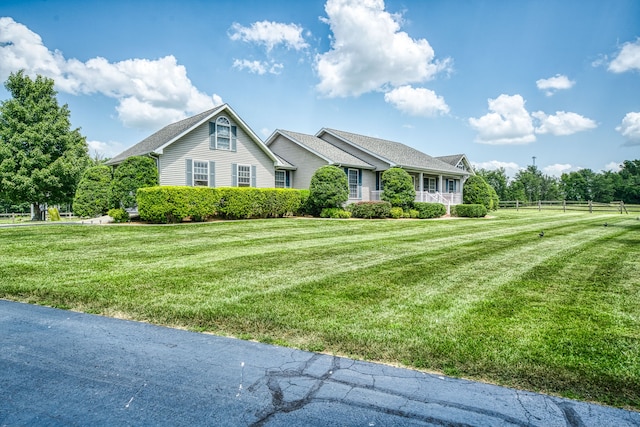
630,128
270,35
368,51
555,83
558,169
507,123
151,93
105,149
510,168
258,67
562,123
613,166
628,58
417,101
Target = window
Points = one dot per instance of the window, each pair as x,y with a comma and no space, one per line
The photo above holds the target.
354,187
430,185
452,185
200,173
282,179
460,165
244,176
222,135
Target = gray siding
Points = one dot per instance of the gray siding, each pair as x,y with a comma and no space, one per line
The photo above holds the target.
195,145
306,162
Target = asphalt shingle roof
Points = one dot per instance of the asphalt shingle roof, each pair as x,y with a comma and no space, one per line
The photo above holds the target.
395,152
453,159
164,135
331,152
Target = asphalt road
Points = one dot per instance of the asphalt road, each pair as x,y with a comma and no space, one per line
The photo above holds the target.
62,368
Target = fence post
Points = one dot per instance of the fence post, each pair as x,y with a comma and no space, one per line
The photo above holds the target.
590,206
564,206
517,205
539,205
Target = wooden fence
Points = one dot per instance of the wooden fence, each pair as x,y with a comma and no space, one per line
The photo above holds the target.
565,205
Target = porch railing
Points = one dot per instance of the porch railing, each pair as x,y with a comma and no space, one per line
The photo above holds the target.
426,196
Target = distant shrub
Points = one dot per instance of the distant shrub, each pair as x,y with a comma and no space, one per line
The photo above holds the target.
470,211
334,213
396,212
397,188
54,214
370,209
329,188
92,195
174,204
412,213
118,214
429,210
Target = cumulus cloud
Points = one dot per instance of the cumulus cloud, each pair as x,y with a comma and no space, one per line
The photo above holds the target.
369,51
558,169
555,83
562,123
613,167
151,93
417,101
507,123
258,67
510,168
628,59
104,150
630,128
270,34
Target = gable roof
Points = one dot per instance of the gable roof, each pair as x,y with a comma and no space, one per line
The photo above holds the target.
166,136
322,149
391,152
453,160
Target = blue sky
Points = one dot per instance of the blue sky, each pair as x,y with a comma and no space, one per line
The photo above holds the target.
501,81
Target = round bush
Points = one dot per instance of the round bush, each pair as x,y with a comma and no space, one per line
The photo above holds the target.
397,188
469,211
477,191
92,194
396,212
135,172
118,215
429,210
329,188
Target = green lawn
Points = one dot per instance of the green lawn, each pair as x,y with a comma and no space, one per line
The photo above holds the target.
478,298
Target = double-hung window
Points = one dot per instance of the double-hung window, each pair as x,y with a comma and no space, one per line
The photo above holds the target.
244,176
354,187
200,173
430,185
282,179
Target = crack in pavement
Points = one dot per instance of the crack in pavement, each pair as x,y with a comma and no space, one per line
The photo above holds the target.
279,382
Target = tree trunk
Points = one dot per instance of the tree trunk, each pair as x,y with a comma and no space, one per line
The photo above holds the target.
37,212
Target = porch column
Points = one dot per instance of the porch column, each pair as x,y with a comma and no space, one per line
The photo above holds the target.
440,189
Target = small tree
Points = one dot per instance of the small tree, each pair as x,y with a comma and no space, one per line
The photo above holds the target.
41,157
477,191
397,188
135,172
92,195
329,188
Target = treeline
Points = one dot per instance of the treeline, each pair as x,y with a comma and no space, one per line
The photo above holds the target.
531,184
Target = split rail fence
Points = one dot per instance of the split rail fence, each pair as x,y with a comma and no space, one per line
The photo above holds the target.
565,205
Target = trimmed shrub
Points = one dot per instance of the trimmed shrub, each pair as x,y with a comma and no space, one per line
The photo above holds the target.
118,214
329,188
370,209
134,173
175,204
335,213
397,188
477,191
468,210
413,213
305,207
429,210
92,194
396,212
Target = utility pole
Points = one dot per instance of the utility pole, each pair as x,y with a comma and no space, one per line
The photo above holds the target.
534,160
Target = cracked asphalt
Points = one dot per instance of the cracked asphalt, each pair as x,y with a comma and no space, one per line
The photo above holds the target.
62,368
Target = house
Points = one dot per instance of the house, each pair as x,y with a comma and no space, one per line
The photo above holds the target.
365,158
217,148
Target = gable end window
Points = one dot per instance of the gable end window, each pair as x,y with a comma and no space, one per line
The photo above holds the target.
243,175
222,135
200,173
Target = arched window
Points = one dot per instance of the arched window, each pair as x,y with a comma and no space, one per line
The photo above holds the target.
223,135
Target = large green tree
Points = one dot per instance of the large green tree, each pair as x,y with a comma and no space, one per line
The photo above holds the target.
397,188
41,157
134,173
497,179
628,188
92,195
329,188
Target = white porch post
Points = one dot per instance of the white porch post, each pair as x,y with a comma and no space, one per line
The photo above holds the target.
421,187
440,188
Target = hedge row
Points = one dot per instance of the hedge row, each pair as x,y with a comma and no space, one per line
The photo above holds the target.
370,209
429,210
470,211
168,204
